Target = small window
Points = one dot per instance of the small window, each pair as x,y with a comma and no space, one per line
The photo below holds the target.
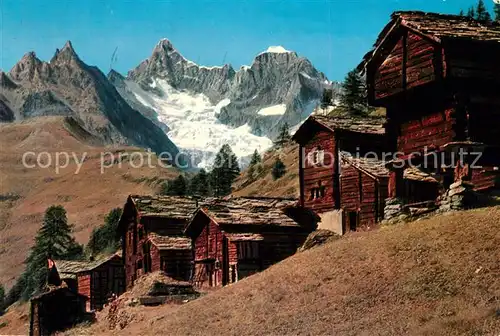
248,250
318,192
316,157
313,193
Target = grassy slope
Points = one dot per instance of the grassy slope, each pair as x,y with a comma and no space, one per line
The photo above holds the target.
439,276
264,185
87,196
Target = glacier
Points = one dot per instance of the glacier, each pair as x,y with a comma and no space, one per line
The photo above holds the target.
194,127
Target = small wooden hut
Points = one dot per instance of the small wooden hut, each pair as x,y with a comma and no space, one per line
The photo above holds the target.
97,280
346,192
152,230
58,309
236,236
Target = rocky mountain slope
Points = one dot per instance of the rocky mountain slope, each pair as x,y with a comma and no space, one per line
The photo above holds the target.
87,193
205,107
66,86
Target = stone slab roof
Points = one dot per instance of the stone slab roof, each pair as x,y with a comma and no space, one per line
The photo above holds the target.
360,125
449,26
260,211
165,206
68,267
371,166
169,242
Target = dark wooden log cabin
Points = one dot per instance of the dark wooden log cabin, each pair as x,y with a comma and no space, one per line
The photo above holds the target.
96,280
152,231
438,77
236,237
363,185
58,309
347,193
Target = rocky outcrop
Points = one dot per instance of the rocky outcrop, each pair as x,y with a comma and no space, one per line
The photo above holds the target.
67,86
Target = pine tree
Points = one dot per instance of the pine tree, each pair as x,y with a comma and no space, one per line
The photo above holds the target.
256,158
327,98
284,136
200,184
54,241
461,13
104,238
224,172
353,95
2,299
471,13
482,13
175,187
279,169
496,9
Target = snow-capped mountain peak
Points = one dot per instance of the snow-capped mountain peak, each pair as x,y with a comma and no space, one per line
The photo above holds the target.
206,107
277,49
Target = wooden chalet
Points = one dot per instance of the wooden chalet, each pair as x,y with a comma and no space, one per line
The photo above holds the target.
152,230
236,237
438,77
58,309
97,280
346,190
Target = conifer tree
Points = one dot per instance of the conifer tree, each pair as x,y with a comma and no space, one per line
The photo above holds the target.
224,172
353,95
482,13
496,9
105,238
54,241
2,299
279,169
256,158
175,187
200,184
327,98
284,136
471,13
461,13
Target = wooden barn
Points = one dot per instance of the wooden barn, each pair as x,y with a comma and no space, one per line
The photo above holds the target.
152,230
438,77
236,237
58,309
342,176
97,280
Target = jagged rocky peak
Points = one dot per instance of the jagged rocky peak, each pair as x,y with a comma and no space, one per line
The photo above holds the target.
28,68
114,75
65,55
6,82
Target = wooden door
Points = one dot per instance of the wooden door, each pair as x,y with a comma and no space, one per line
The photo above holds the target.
225,261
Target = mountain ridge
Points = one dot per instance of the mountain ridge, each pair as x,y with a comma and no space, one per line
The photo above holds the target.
247,105
67,86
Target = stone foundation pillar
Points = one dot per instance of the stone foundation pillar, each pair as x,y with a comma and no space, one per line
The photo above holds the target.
393,209
460,196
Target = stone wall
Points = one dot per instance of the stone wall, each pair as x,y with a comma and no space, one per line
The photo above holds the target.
460,196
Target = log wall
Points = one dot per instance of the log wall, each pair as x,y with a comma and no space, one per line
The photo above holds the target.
208,256
388,79
427,129
324,174
360,194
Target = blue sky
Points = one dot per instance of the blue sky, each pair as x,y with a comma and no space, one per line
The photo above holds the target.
333,34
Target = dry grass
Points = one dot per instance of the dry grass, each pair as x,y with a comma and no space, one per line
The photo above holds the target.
264,185
439,276
87,196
